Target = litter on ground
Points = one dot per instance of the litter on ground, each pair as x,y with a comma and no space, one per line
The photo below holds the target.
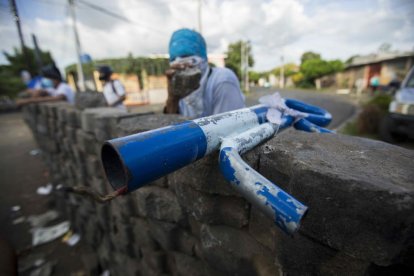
45,190
46,234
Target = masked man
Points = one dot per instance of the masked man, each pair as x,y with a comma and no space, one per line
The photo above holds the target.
53,88
113,90
194,88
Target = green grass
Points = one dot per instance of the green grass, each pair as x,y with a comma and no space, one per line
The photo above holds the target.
351,129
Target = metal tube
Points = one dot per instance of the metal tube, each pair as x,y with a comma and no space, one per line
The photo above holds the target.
284,209
135,160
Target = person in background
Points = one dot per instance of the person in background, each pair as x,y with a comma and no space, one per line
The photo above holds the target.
374,83
53,88
31,83
216,91
113,90
394,84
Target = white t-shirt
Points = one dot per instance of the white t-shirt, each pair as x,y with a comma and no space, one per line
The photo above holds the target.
112,96
221,94
63,89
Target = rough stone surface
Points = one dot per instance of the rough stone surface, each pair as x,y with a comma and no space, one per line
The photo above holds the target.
186,265
230,250
89,99
212,209
349,194
359,193
204,176
158,203
131,125
88,116
262,229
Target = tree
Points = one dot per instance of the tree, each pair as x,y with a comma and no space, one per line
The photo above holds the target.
309,56
18,60
233,60
289,70
10,82
255,76
316,68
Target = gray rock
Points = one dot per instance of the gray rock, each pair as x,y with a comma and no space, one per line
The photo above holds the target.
230,250
183,265
267,266
212,209
89,99
142,234
204,176
157,203
73,117
93,167
89,115
299,255
164,233
86,141
156,261
71,134
124,265
136,124
90,262
185,242
262,229
106,124
360,192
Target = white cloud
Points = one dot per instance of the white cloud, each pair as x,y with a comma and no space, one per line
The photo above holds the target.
288,27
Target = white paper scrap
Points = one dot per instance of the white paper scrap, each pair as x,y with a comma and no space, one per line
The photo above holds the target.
46,234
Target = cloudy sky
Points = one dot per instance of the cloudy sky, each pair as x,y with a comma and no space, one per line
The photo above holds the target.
335,29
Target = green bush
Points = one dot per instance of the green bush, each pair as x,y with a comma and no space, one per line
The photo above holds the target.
382,101
10,84
369,119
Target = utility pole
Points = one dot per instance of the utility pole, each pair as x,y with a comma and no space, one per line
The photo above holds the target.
242,63
38,58
282,73
246,81
200,28
79,69
16,18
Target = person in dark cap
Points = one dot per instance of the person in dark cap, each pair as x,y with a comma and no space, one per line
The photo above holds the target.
55,89
194,88
113,90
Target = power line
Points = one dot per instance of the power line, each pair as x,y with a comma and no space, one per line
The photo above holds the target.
52,2
103,10
120,17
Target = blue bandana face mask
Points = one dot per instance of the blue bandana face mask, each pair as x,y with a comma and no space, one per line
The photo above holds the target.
47,83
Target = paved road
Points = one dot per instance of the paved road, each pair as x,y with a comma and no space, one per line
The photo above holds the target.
340,106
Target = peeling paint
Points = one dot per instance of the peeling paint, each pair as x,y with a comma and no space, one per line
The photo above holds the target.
144,157
282,208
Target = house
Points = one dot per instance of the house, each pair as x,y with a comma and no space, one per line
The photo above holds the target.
387,65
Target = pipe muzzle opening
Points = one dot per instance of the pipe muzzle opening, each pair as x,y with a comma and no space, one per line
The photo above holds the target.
115,169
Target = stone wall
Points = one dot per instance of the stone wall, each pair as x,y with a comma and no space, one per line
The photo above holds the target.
359,193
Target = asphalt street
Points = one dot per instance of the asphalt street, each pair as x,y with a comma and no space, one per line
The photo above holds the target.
340,106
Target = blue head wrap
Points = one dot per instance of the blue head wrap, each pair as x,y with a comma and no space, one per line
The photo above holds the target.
186,42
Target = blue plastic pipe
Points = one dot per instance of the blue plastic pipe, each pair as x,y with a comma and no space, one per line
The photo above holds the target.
131,162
